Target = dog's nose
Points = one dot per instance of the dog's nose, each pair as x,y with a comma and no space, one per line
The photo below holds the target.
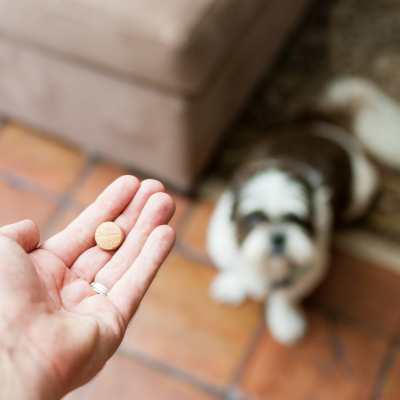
278,242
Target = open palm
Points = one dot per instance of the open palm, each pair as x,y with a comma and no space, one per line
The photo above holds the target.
49,310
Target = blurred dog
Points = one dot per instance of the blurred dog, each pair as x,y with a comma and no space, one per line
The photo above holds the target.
271,231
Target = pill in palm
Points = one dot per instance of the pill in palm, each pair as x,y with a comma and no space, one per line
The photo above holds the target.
109,236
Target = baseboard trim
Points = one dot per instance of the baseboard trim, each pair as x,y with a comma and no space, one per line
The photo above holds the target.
370,247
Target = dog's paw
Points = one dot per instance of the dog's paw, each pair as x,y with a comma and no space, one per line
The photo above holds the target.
257,291
226,288
286,323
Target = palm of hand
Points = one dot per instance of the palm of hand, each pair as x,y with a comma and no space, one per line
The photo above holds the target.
68,329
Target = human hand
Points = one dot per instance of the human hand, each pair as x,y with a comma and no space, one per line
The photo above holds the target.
56,333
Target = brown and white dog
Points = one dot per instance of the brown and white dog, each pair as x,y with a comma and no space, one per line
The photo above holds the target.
271,231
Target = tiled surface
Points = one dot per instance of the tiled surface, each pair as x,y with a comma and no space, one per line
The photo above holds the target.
182,207
391,387
18,203
61,220
194,228
197,336
362,292
335,361
181,345
100,174
38,159
98,177
124,379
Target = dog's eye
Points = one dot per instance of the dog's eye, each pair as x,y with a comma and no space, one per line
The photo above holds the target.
302,222
255,218
293,218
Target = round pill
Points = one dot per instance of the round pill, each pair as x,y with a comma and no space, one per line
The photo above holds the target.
109,236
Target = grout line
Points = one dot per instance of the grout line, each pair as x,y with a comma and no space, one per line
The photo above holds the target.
385,367
335,316
19,182
66,200
174,372
254,342
235,393
63,204
91,160
321,308
185,216
335,341
191,254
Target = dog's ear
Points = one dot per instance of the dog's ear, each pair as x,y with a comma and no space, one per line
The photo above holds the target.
235,204
236,185
248,170
323,198
238,181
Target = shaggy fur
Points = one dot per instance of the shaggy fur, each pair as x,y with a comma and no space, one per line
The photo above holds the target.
270,232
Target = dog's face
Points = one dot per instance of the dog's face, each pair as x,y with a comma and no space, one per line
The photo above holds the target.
273,215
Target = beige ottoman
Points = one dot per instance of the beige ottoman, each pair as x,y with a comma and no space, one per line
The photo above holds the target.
149,83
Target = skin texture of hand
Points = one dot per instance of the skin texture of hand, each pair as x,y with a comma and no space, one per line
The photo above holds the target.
56,333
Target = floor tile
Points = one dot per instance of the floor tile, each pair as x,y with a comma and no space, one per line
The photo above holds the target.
99,176
40,160
61,220
363,292
180,325
126,379
391,385
194,229
103,173
17,204
334,361
182,204
354,288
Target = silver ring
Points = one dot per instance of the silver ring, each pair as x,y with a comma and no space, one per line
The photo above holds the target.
99,288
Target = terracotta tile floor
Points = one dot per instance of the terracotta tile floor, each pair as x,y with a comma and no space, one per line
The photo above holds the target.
183,346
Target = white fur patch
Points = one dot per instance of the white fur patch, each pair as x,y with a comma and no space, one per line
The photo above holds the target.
285,321
238,276
274,193
256,246
221,238
299,246
319,262
243,273
227,288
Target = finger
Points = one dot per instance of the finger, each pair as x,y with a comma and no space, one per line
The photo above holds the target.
128,292
92,260
78,236
158,211
19,283
128,218
25,233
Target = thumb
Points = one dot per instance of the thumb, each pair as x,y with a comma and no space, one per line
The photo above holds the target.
25,233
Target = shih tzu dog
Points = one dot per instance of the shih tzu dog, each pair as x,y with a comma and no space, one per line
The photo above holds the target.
271,230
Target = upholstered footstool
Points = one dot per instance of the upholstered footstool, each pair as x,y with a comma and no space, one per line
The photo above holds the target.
149,83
